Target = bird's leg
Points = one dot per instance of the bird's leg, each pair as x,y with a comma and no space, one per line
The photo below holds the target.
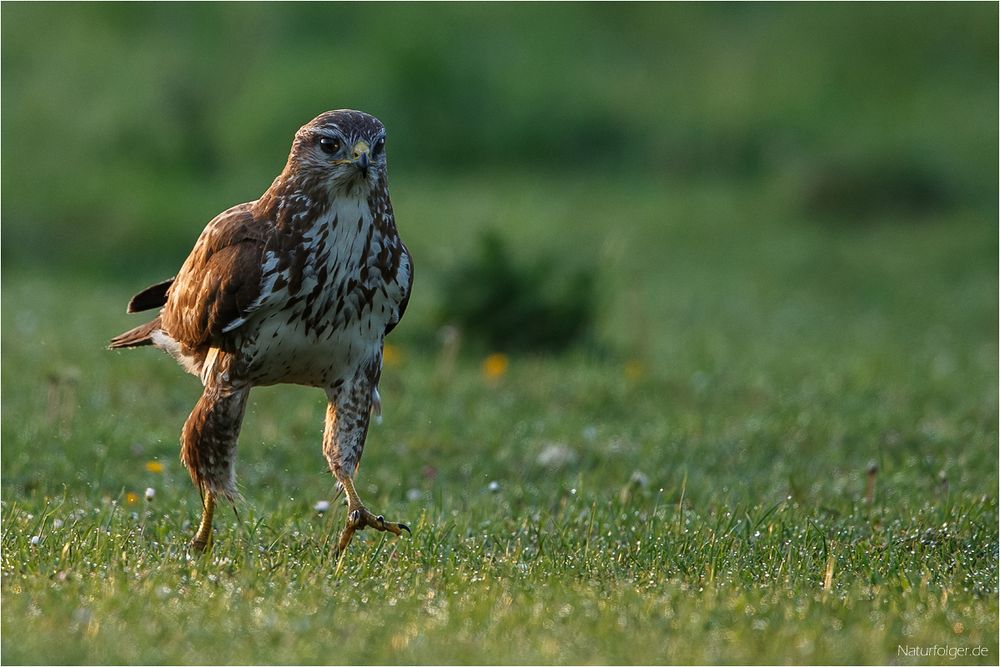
204,534
359,518
208,446
347,415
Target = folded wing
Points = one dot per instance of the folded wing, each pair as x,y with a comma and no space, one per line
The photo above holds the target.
218,282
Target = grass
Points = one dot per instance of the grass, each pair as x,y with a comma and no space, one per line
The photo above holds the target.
694,491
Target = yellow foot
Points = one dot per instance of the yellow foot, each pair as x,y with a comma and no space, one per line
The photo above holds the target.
360,518
203,537
199,544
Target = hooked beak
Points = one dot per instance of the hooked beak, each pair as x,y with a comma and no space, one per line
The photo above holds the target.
361,156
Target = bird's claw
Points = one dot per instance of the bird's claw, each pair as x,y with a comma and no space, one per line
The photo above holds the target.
360,518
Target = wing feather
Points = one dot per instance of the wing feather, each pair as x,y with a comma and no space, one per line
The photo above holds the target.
406,264
153,296
219,281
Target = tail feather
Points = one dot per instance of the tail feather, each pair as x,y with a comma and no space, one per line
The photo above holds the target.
137,337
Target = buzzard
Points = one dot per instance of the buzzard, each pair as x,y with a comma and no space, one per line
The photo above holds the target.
300,286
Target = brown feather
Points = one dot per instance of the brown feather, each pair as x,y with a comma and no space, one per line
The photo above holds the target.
219,279
154,296
136,337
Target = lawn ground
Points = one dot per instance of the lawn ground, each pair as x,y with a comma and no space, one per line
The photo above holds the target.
693,489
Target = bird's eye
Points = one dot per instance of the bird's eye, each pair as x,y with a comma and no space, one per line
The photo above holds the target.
378,147
329,145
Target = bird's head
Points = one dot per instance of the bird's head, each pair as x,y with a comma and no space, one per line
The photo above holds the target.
344,150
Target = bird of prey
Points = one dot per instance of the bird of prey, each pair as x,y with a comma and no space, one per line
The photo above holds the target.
300,286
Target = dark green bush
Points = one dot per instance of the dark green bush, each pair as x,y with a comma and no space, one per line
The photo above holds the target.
861,189
535,304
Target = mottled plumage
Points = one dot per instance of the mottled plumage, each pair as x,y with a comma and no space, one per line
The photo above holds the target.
300,286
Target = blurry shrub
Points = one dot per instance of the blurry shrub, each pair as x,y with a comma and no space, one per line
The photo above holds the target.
856,190
538,304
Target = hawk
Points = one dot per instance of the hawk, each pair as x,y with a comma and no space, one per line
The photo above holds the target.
300,286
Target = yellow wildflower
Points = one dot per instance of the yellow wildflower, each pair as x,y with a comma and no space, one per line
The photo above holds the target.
154,466
131,498
392,356
634,369
495,366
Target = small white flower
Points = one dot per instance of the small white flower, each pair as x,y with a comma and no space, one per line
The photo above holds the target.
414,494
322,506
57,523
150,494
556,455
35,539
639,479
494,486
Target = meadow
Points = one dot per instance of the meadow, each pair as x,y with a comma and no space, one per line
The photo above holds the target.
778,446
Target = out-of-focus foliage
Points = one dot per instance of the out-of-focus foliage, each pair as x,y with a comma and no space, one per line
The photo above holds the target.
133,124
867,189
510,304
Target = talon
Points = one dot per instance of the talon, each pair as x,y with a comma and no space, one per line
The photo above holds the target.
360,518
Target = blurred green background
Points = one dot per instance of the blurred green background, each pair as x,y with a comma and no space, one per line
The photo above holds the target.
127,127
